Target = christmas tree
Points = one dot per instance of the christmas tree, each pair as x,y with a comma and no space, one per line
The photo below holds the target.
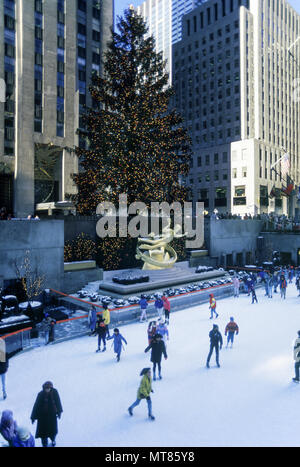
136,145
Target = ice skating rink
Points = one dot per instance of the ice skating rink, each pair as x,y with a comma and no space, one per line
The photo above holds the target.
249,401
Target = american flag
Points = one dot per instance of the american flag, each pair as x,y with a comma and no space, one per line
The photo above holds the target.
285,164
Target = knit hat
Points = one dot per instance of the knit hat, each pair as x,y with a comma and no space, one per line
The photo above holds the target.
144,371
47,384
23,433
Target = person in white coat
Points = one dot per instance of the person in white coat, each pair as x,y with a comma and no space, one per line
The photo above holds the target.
236,286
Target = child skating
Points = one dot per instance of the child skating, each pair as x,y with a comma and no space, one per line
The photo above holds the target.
231,328
212,306
118,338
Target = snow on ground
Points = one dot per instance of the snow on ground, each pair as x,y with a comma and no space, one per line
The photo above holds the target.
249,401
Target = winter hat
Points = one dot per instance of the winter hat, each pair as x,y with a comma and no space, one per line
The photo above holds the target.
116,330
144,371
23,433
158,336
48,384
231,318
215,326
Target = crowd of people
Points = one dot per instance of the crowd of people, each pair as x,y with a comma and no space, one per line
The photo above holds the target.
6,215
47,408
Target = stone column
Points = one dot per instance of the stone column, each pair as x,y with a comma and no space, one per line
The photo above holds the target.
105,24
1,82
24,145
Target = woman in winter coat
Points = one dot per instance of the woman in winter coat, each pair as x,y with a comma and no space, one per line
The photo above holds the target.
118,338
282,286
162,329
8,426
167,308
47,408
23,439
158,348
143,306
144,392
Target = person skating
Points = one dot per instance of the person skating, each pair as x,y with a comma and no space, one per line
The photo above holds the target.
144,391
101,333
162,329
216,342
158,349
283,286
8,426
4,364
236,286
106,317
298,284
118,338
167,308
253,294
47,408
212,306
270,286
159,304
297,358
151,331
23,439
143,306
231,329
92,318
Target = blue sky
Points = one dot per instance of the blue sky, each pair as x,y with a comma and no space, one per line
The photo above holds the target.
121,5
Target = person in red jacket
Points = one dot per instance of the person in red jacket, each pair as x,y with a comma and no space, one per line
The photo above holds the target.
231,328
167,308
212,306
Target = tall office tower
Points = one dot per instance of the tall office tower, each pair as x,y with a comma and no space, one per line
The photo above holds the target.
48,51
235,73
163,17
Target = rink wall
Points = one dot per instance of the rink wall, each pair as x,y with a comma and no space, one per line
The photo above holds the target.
44,239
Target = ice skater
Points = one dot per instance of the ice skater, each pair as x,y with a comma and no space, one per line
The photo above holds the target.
298,284
46,410
101,333
151,331
8,426
158,349
236,286
253,294
118,338
283,286
297,358
216,342
162,329
212,306
4,364
167,308
106,317
143,306
144,392
159,304
231,328
92,318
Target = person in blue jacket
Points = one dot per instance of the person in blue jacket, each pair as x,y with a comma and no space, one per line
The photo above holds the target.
118,338
23,439
143,306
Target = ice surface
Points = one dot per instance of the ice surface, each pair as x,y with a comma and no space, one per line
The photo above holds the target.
249,401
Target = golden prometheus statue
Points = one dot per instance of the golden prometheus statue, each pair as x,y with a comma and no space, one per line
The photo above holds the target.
158,253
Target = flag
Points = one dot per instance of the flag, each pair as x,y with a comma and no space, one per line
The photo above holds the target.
287,190
285,164
272,192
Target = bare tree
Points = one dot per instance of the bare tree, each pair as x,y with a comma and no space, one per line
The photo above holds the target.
32,281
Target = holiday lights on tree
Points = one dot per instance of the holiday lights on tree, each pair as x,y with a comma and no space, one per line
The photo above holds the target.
137,145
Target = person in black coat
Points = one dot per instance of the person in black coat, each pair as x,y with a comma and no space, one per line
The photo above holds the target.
3,370
101,330
47,408
158,348
216,343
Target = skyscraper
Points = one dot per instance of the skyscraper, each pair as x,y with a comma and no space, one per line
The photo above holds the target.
48,51
235,72
163,17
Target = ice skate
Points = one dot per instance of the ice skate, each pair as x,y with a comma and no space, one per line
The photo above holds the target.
130,411
151,417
